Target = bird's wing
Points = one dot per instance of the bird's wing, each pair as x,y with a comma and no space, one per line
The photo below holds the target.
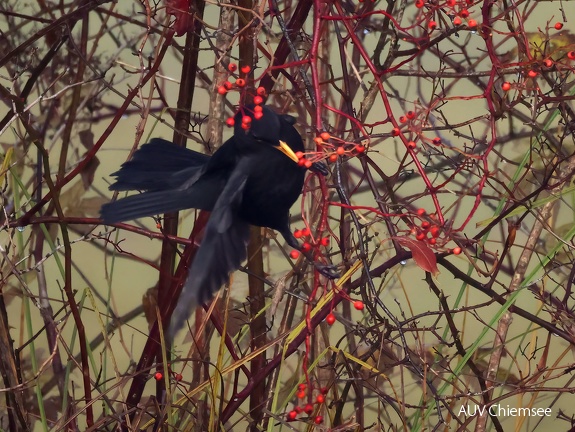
157,165
222,250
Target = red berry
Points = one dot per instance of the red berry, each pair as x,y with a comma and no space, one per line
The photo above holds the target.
227,85
420,236
435,231
308,408
425,225
532,74
245,126
421,212
300,394
359,148
472,23
294,254
464,13
301,162
456,250
240,82
411,145
506,86
450,3
324,241
301,387
308,164
358,304
258,108
318,419
333,158
320,399
432,25
246,69
457,21
246,119
436,140
410,115
258,115
299,154
158,376
258,100
402,119
297,233
558,26
330,318
395,132
571,55
306,231
222,90
340,150
325,136
178,377
306,247
261,91
432,241
232,67
548,63
230,121
291,416
419,3
324,390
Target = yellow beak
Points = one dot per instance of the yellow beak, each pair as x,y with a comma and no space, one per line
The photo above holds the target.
285,149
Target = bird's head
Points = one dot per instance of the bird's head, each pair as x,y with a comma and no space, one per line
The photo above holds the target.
267,127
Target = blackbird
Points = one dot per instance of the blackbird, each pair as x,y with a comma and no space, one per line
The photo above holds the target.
252,179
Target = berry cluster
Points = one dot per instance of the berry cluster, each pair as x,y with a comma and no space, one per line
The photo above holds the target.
456,9
428,231
309,243
308,408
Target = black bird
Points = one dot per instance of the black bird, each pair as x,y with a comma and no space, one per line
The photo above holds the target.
252,179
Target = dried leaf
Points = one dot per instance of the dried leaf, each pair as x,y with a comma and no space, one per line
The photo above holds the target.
423,256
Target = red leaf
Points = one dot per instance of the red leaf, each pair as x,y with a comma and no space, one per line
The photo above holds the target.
422,254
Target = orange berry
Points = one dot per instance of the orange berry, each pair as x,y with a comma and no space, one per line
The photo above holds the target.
410,115
472,23
506,86
358,304
333,158
325,136
435,231
330,318
340,151
548,63
301,387
411,145
532,74
359,148
457,21
222,90
308,164
456,250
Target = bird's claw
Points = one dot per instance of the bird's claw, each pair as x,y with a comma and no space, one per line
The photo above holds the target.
319,168
329,271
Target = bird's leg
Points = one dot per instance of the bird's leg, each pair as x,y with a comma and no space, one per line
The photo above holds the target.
328,270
